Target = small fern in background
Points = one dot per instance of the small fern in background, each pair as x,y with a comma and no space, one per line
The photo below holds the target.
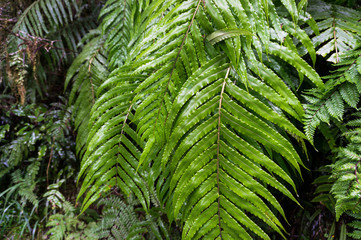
123,220
342,91
355,226
64,221
120,219
327,109
339,29
346,171
343,183
69,227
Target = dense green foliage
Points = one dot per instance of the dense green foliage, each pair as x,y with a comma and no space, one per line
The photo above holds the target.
180,119
35,142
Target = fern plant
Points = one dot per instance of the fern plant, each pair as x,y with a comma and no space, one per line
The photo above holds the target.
191,109
69,227
346,172
335,103
338,27
120,219
123,220
342,90
343,182
356,226
64,221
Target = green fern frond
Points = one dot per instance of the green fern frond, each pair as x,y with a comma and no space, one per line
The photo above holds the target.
57,227
66,227
323,190
72,34
115,93
27,194
41,18
341,90
215,152
195,123
122,149
32,170
156,90
118,24
121,220
87,72
339,29
24,185
346,173
118,218
57,199
355,225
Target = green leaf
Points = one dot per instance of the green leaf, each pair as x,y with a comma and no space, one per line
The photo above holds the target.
223,34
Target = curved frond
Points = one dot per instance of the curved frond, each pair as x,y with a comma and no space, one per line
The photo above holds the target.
114,142
87,72
113,147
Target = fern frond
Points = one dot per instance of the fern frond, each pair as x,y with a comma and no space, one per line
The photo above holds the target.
119,17
121,220
58,227
41,18
24,186
341,90
339,29
215,154
113,115
156,90
188,120
118,218
355,225
87,72
122,148
345,171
